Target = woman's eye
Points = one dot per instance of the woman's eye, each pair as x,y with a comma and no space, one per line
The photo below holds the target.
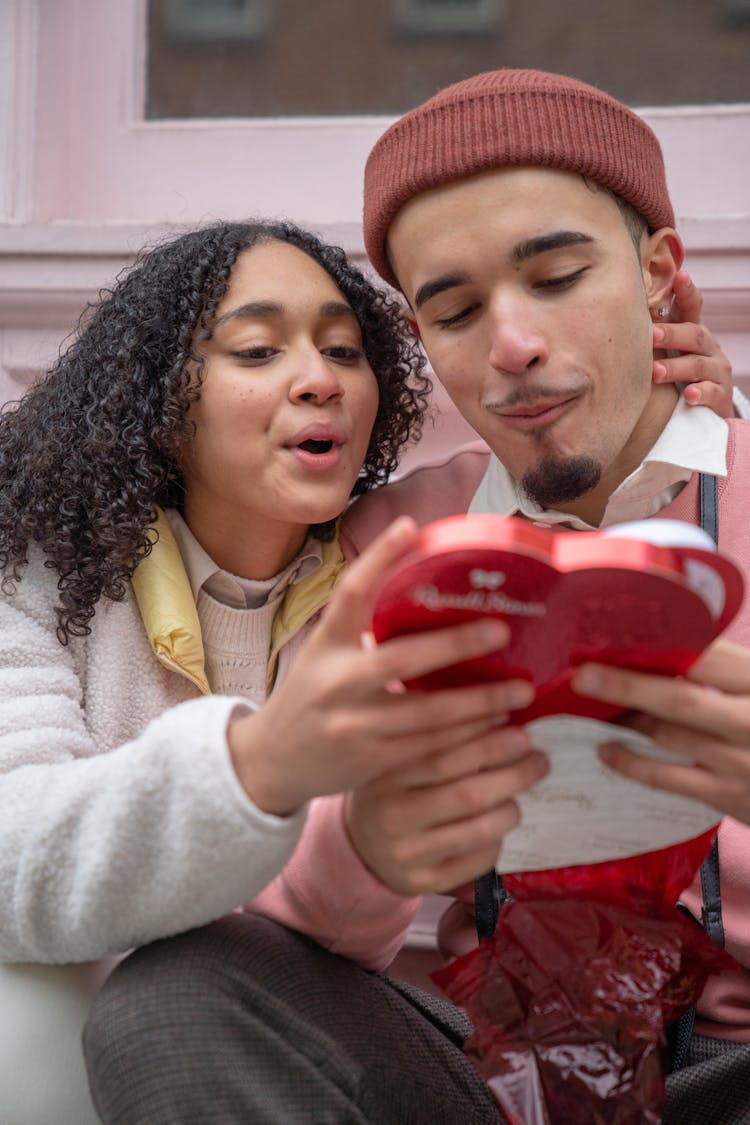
457,318
254,355
346,352
557,283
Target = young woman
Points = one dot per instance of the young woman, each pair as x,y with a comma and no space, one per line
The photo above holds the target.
168,497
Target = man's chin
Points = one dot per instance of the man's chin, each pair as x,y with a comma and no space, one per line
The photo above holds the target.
559,480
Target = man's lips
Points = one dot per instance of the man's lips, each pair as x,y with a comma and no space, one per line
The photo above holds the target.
534,414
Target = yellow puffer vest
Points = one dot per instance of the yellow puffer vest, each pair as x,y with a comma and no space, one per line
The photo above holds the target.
167,607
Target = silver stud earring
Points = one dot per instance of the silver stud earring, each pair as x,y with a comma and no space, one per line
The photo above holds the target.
662,312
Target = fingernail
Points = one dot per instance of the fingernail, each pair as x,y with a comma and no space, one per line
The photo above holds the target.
519,695
493,633
588,681
401,528
660,372
516,740
658,333
541,764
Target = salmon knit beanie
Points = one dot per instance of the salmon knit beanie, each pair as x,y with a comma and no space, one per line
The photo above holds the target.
512,117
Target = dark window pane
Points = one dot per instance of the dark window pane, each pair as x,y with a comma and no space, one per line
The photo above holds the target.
259,58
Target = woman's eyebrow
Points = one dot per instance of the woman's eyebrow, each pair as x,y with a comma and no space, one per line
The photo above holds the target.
252,309
337,308
543,243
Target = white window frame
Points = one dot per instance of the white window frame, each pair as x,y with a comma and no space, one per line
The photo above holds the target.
83,175
96,159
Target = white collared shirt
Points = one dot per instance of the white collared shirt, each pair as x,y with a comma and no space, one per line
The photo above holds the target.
231,589
694,440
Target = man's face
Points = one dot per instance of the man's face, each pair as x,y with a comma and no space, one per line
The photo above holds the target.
532,303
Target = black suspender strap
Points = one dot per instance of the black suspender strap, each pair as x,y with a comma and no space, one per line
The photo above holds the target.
679,1034
710,879
708,489
488,896
711,888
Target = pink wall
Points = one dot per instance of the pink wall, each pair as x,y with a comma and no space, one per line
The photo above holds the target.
85,181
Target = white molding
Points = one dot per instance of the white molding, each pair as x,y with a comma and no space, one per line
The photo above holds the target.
99,160
49,271
18,74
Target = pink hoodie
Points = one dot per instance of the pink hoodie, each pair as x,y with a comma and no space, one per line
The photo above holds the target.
327,892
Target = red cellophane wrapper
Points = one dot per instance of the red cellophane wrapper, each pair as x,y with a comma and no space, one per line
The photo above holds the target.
570,998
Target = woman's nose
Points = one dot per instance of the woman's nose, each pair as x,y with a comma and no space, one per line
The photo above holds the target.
316,378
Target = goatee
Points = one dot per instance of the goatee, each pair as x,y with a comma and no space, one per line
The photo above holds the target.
557,480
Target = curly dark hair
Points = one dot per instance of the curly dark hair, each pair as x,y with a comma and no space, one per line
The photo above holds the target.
89,453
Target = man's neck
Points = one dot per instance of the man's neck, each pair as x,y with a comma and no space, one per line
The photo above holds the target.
592,505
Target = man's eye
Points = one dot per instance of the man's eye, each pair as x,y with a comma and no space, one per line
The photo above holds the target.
457,318
557,283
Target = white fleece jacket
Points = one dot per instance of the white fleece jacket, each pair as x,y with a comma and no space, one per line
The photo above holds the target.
121,818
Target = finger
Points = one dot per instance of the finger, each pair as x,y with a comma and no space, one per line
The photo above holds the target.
485,749
349,611
716,398
688,299
467,798
691,369
397,754
406,658
691,781
725,666
412,712
479,847
715,394
688,338
718,756
673,699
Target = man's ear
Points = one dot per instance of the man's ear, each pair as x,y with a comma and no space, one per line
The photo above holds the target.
662,255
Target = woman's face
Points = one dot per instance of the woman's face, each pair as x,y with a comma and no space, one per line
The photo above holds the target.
285,413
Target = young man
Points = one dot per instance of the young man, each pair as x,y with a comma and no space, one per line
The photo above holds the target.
526,219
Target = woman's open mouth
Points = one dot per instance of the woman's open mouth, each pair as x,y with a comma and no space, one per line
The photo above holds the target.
318,454
317,447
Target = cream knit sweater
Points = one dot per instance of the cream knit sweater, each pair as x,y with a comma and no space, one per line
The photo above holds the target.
122,818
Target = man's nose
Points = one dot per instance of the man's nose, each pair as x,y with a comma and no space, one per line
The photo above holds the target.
516,342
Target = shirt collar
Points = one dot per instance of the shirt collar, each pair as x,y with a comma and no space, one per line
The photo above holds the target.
231,589
694,440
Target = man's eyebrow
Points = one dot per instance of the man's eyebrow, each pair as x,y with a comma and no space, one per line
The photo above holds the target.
556,240
438,285
253,310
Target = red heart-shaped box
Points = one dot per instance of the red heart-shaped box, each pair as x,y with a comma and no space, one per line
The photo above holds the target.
568,597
